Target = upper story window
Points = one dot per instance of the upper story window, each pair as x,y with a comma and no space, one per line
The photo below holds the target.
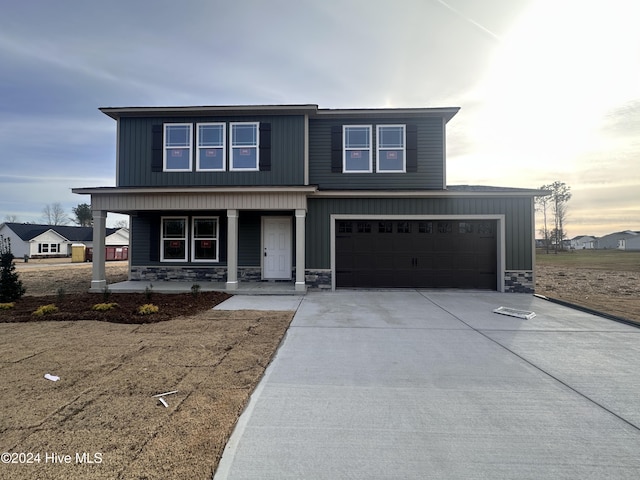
244,146
177,147
357,149
391,149
211,147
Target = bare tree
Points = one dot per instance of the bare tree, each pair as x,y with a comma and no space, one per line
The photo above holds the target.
121,224
10,219
560,196
53,214
542,203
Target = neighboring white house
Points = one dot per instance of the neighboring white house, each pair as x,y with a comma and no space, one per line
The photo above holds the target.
613,239
629,243
583,242
41,241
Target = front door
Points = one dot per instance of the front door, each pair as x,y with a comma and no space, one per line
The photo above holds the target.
276,247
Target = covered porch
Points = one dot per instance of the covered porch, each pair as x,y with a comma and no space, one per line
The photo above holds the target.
229,203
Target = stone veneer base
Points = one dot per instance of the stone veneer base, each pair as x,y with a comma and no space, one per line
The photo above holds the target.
519,281
515,281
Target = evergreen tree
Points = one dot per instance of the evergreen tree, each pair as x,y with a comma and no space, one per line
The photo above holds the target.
10,285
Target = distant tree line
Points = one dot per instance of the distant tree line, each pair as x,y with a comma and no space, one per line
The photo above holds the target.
54,214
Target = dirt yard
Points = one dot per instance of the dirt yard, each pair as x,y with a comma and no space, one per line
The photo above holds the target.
606,281
100,419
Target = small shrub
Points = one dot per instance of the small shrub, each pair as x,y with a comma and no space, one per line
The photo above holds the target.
60,293
7,306
147,309
45,310
148,292
104,307
106,293
195,289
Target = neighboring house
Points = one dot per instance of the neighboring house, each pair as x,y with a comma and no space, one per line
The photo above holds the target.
323,198
583,242
629,243
613,239
44,241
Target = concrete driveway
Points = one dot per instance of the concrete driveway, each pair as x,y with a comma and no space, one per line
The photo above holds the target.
429,384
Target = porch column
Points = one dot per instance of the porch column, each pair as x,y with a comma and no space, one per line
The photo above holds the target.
232,249
300,249
98,277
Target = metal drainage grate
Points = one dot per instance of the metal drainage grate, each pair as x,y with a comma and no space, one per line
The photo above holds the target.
512,312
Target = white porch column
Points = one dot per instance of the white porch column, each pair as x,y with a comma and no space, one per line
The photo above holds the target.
300,249
98,277
232,249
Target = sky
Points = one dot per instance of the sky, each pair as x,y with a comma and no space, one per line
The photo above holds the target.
549,90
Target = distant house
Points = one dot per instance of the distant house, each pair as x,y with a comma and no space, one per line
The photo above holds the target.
613,239
48,241
629,243
583,242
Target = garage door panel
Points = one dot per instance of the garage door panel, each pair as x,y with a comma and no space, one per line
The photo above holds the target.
429,254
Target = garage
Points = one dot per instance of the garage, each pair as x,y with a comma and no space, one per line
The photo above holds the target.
416,253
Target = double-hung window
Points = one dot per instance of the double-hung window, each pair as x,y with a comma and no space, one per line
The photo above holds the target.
211,147
244,146
357,149
390,154
177,147
173,239
204,239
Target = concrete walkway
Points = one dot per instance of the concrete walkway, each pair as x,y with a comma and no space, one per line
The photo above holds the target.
430,384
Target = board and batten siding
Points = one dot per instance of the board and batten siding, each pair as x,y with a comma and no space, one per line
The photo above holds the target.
431,156
135,154
518,213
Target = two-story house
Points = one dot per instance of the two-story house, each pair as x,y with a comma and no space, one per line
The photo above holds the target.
324,198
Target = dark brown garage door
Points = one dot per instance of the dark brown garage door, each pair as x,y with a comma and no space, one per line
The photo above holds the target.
416,253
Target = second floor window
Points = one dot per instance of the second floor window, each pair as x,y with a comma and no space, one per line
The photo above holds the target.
357,148
391,148
177,147
244,146
211,147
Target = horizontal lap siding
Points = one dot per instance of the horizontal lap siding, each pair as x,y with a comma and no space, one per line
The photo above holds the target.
287,154
430,172
517,211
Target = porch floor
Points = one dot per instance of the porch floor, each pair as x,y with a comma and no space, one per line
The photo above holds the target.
244,288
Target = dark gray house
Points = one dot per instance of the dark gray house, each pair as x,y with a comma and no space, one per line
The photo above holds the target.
325,198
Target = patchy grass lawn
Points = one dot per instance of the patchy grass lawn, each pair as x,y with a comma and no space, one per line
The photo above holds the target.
604,280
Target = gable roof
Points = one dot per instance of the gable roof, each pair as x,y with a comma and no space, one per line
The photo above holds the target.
28,231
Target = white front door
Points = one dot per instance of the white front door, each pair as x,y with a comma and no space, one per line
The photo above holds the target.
276,247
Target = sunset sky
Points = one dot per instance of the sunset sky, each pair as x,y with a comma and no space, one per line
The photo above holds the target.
548,89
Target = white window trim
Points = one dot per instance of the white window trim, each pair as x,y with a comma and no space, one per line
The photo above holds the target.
224,147
403,149
232,147
165,147
185,238
216,238
345,149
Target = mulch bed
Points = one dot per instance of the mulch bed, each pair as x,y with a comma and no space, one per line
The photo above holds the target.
79,306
